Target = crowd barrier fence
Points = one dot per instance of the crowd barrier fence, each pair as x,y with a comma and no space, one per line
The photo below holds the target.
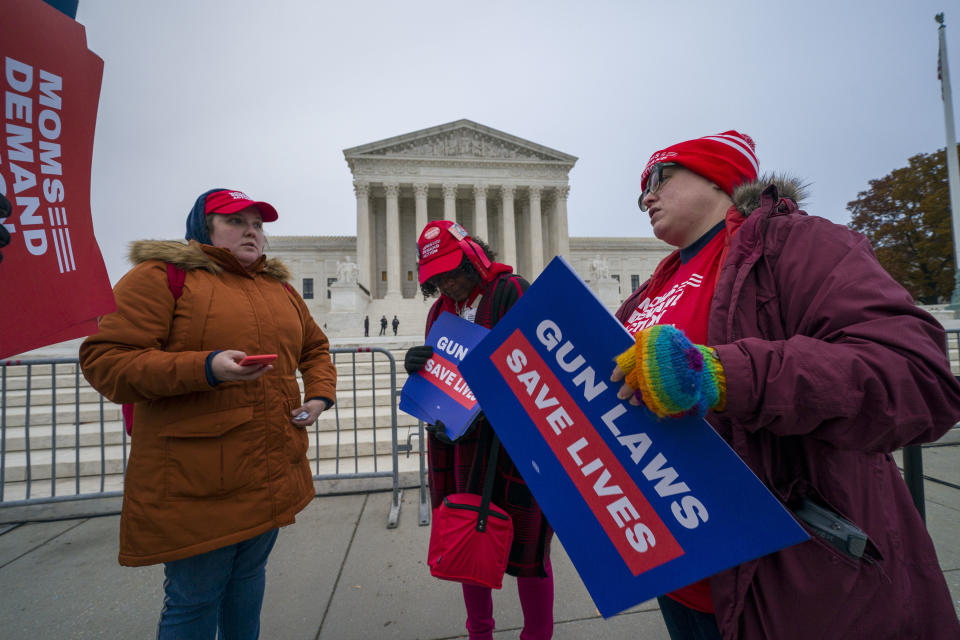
62,442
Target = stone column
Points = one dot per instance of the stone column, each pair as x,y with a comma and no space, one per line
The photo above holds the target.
536,234
450,202
509,252
480,212
362,189
393,239
560,230
420,195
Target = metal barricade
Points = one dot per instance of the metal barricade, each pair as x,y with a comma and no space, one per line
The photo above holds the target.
62,442
375,472
953,350
913,454
424,495
37,422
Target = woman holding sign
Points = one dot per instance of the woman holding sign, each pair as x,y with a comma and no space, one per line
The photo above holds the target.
818,367
472,286
218,450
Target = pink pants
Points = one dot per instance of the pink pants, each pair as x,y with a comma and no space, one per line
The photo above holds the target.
536,601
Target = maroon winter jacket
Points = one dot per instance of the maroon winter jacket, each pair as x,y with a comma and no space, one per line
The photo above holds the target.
830,367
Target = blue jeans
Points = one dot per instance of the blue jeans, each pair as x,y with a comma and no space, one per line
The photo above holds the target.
218,590
684,623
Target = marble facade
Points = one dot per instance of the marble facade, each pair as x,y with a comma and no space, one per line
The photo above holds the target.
509,191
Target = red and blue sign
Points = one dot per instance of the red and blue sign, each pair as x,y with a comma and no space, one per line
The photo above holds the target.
53,281
642,506
438,391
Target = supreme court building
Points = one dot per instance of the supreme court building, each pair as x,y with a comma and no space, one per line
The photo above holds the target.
506,190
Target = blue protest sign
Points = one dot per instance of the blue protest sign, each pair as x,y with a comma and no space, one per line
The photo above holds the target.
642,506
438,391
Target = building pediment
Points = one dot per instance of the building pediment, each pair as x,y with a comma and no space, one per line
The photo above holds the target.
461,140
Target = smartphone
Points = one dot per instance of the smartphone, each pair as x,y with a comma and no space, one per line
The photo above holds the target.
264,358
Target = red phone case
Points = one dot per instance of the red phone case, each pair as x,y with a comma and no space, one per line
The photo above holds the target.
264,358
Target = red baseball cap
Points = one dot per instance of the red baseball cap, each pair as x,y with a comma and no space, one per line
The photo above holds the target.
441,248
227,202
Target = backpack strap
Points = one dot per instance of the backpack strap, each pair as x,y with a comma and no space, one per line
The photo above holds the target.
508,287
489,443
488,484
176,276
496,300
492,295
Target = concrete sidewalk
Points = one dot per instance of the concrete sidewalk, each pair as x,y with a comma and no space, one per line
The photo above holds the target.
338,574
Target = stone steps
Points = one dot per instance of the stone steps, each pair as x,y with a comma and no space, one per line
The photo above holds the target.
16,379
93,460
41,435
327,445
13,491
44,396
66,373
65,414
67,435
67,392
89,408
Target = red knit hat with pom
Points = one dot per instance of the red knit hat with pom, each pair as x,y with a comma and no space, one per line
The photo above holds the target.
726,159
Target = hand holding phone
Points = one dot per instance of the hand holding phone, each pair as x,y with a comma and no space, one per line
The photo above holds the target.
264,358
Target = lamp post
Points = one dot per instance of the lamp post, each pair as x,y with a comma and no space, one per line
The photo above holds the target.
953,170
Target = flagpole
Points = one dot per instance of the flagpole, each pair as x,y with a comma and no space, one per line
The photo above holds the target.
953,170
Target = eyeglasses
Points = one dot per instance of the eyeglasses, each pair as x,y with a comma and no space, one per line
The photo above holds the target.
654,181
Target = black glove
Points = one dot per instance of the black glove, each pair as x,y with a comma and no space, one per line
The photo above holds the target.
417,357
5,210
477,419
439,430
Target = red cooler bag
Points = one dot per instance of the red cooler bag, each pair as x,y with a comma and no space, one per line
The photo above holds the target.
468,543
470,536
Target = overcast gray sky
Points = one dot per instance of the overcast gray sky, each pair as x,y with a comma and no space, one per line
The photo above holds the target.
264,96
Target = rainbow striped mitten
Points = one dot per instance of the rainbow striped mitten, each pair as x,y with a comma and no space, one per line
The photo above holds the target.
672,376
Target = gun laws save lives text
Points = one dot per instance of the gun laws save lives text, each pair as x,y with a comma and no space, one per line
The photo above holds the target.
616,501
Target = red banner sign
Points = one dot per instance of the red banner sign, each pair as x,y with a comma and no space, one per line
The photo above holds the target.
53,283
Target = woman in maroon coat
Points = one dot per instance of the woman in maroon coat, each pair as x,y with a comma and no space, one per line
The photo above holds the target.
818,366
471,285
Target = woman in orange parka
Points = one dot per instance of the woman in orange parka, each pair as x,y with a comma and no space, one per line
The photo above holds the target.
218,452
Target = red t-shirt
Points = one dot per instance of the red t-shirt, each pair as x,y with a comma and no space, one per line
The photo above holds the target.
684,302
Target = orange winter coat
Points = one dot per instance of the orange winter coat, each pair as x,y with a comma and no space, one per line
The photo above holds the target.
209,466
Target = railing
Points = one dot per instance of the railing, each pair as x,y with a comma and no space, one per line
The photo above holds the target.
953,350
913,455
33,472
422,477
47,410
394,472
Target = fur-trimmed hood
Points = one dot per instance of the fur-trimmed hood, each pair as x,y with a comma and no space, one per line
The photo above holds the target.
191,255
746,197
